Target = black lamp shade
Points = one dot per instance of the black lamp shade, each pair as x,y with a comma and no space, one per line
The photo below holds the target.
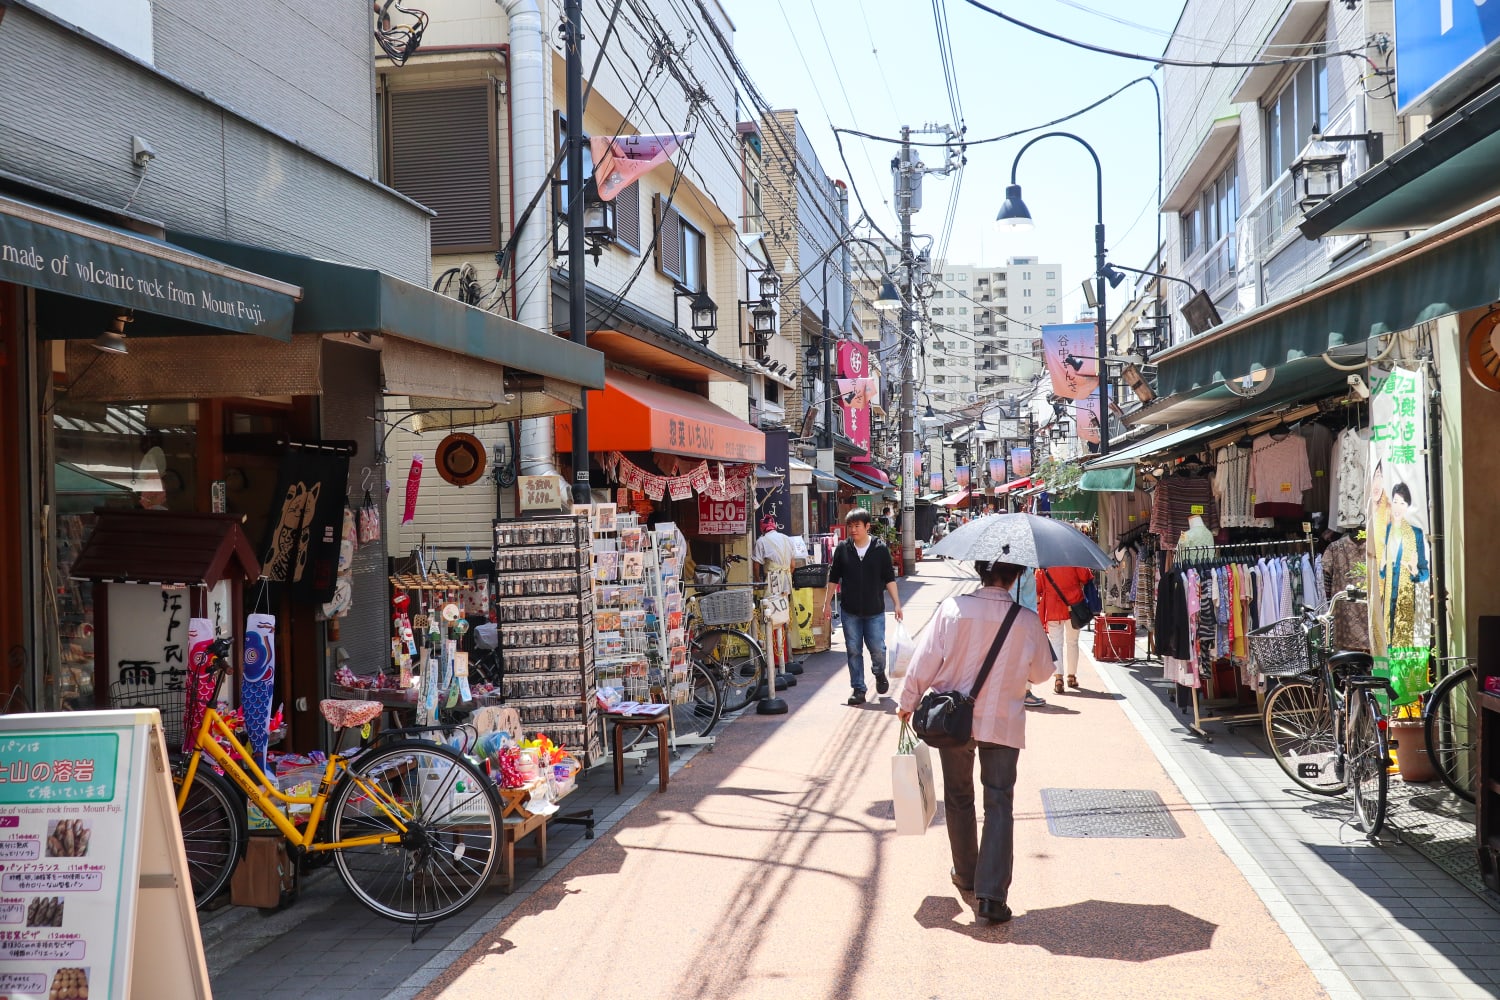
705,313
1013,211
770,285
889,298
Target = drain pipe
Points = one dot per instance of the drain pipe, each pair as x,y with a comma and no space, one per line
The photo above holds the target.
530,158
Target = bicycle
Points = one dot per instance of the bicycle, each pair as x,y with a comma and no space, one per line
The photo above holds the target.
1325,726
1450,723
729,654
411,824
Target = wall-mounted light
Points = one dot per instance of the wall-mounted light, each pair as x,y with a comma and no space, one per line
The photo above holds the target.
112,341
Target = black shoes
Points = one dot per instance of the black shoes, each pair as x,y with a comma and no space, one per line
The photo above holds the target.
993,911
882,685
857,698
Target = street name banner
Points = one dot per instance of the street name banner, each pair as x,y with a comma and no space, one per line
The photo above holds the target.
95,898
1071,354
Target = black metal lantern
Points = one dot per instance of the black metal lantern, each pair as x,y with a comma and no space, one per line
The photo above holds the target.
770,286
1318,170
705,317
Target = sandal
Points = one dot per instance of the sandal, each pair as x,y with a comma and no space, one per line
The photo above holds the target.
1057,684
1073,682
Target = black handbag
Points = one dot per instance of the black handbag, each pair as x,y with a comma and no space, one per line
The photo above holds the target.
1079,614
945,719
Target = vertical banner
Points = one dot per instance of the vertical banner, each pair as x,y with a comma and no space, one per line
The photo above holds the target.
1086,418
916,464
961,476
1399,515
936,482
303,531
1020,462
259,684
200,686
1072,358
997,471
857,390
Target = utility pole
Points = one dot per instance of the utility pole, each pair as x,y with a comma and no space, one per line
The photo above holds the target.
577,325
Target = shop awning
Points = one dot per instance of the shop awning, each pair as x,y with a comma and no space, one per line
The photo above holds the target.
861,483
952,499
799,473
1182,438
871,473
1448,169
1444,270
344,298
825,483
1118,480
633,414
57,252
1014,484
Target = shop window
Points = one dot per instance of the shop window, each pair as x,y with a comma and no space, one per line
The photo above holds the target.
441,152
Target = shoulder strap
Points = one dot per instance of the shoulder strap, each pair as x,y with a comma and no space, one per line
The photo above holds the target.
1055,588
994,652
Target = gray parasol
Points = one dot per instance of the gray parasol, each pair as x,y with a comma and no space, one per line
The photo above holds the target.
1024,539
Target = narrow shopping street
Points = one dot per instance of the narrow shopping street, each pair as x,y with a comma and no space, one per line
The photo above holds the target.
770,868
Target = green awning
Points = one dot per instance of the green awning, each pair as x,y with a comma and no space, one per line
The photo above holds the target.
1444,270
343,298
57,252
1183,438
1118,480
1446,170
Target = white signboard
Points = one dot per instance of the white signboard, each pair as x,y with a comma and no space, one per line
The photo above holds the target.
148,634
95,899
540,492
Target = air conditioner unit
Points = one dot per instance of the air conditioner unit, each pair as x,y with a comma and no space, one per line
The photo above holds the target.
972,397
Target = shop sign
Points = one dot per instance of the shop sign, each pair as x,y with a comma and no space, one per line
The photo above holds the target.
540,492
1399,519
88,822
865,501
722,517
1071,354
1450,41
148,636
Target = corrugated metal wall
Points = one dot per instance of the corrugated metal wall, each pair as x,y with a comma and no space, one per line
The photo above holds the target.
351,380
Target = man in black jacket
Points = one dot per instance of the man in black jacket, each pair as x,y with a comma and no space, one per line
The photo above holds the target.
862,573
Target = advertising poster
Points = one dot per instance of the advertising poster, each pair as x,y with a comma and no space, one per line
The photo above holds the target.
1072,358
722,517
1399,519
1020,462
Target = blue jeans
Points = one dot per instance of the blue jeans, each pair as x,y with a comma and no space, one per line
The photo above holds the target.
862,631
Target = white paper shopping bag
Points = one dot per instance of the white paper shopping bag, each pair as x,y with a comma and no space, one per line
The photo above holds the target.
913,792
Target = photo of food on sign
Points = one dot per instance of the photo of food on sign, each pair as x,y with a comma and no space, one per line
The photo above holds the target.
68,838
45,911
70,984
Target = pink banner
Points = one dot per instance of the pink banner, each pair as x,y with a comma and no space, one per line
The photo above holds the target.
936,482
1020,462
961,477
857,391
1072,359
916,464
1086,413
997,470
618,162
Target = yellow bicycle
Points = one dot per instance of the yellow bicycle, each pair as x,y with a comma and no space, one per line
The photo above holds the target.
412,825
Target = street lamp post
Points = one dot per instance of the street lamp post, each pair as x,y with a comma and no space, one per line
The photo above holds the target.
1015,215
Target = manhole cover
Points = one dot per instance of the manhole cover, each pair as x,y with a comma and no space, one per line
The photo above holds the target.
1115,813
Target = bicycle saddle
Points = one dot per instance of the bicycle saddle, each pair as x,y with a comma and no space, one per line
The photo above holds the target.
1351,659
346,714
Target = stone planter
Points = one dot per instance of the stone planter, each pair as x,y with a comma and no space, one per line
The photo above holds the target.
1411,750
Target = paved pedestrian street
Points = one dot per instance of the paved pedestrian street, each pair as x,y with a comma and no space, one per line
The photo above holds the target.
770,868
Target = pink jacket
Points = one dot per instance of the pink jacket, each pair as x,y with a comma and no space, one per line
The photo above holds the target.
951,652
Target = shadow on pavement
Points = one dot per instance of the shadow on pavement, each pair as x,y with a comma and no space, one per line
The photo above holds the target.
1122,932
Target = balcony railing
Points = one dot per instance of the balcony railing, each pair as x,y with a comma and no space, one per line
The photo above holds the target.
1213,269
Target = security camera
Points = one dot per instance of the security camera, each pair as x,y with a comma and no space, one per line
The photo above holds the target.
1358,387
141,151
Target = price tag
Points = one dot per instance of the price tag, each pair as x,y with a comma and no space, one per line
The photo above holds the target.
1197,508
1132,517
1286,487
1307,527
1318,473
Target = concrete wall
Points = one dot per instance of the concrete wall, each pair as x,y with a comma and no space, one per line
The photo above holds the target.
215,172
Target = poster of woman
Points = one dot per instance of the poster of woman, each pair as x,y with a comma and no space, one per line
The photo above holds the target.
1398,514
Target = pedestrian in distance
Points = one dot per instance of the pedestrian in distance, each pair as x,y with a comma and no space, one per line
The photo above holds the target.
1057,590
949,657
862,573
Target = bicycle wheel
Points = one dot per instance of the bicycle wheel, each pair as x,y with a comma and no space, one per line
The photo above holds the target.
698,715
1299,728
736,659
1450,725
1367,764
451,842
214,829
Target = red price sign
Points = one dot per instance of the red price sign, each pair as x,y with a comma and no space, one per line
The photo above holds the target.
721,517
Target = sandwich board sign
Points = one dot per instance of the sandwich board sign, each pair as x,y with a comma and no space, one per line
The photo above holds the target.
95,899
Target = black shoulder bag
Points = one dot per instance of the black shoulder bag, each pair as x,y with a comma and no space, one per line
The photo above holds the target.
945,719
1079,614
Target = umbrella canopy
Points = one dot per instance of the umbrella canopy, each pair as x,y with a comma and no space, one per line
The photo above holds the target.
1024,539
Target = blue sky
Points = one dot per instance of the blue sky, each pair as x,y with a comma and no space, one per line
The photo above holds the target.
878,67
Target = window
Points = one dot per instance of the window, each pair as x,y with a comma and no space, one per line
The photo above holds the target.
1051,275
938,362
680,248
1052,309
1026,293
772,391
442,154
628,219
1213,215
948,294
963,310
1290,117
1051,292
939,380
1026,310
1025,275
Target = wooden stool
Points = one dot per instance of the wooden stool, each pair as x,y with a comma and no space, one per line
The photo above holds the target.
663,724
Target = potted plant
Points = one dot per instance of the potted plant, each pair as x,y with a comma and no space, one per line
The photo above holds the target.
1406,731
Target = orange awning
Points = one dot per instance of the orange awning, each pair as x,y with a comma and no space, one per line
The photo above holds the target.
953,499
632,414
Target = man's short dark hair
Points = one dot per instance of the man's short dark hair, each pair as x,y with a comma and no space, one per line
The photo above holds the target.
998,574
857,514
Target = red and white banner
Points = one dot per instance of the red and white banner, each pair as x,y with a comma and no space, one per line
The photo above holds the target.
722,517
618,162
858,390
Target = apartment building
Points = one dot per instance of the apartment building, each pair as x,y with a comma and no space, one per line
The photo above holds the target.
1233,138
984,322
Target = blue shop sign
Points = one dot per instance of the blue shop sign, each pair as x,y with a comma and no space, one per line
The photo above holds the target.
1444,49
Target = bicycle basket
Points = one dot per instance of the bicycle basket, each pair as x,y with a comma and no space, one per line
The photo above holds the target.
171,705
815,575
727,607
1280,649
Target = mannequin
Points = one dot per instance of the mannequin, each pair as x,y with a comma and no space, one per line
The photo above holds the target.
1197,542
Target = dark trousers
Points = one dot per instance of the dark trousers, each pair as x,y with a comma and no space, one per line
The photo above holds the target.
986,862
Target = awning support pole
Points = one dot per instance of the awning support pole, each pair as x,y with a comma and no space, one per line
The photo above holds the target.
577,319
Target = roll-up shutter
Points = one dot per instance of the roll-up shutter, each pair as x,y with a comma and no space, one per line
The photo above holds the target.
443,155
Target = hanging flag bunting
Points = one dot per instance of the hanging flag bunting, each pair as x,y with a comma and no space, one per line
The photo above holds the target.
679,488
700,478
1072,358
656,487
618,161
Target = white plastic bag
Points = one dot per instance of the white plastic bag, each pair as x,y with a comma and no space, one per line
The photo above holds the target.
899,649
913,794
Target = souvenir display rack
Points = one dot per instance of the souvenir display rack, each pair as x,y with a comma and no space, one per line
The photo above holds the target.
544,607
